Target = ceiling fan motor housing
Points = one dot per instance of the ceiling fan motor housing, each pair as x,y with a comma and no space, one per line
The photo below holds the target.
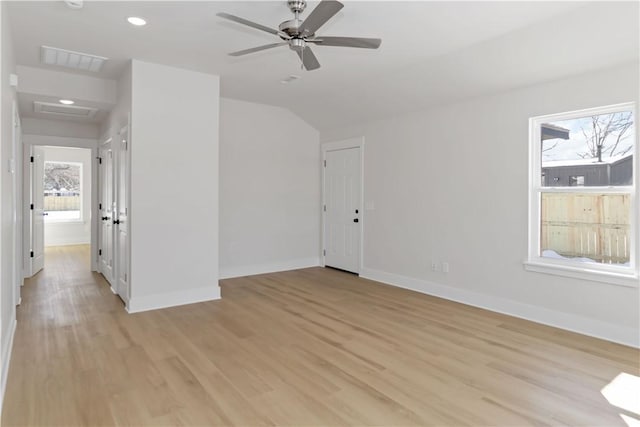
291,28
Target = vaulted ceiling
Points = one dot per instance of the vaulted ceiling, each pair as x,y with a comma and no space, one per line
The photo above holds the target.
432,52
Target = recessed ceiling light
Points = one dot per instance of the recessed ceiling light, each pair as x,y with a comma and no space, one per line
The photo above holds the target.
137,21
66,101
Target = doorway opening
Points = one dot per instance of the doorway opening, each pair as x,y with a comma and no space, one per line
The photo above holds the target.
59,186
342,204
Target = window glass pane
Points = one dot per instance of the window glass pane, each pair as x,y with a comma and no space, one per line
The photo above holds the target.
62,191
598,148
590,228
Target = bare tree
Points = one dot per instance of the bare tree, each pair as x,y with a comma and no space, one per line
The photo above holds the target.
555,144
604,134
61,175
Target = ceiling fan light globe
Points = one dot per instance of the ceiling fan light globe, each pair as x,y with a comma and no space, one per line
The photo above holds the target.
297,44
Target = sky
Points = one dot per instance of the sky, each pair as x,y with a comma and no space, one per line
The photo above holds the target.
576,144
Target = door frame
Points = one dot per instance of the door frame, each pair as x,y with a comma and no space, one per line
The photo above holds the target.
54,141
344,144
16,168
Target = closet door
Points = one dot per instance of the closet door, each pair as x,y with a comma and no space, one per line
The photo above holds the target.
122,220
106,253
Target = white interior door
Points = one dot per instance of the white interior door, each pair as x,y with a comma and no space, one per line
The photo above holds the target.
37,213
106,253
122,221
342,209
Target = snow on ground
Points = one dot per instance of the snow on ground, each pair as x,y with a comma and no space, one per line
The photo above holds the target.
549,253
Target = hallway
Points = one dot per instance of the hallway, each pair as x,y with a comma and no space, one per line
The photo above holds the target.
63,308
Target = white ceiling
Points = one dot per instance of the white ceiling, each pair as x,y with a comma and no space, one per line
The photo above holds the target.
432,52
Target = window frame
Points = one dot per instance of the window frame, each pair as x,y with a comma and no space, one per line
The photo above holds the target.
81,178
612,274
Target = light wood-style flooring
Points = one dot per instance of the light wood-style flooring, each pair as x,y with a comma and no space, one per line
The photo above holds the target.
307,347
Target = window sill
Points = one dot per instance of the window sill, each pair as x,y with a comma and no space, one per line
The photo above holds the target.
64,221
629,280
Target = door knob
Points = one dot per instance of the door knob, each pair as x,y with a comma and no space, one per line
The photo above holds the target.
116,221
104,218
356,220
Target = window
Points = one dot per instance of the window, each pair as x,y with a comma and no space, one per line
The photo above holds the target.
576,181
584,194
62,191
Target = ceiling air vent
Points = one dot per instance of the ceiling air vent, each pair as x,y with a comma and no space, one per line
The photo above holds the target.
64,110
71,59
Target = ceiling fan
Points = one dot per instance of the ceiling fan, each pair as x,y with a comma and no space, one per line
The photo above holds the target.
298,34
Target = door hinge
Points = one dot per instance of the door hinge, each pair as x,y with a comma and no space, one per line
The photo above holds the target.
31,206
31,254
324,252
99,252
99,160
100,206
325,163
325,208
31,159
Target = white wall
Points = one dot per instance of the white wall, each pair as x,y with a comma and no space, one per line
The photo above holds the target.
70,85
119,114
269,190
71,232
450,184
62,128
8,220
174,186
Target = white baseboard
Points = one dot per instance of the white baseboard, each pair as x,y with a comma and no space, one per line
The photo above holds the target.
172,299
570,322
6,360
67,243
274,267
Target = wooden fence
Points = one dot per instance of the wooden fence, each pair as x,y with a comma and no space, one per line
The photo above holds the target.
594,226
61,203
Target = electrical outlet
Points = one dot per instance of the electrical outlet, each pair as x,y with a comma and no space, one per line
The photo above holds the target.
445,267
434,266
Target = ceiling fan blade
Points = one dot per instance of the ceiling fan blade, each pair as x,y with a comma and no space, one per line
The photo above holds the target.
360,42
250,24
309,60
321,14
257,49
